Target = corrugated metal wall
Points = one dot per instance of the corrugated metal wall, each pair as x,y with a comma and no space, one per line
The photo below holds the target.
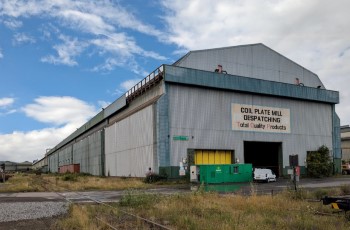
162,126
86,147
336,135
65,156
88,153
53,162
256,61
345,145
129,145
204,116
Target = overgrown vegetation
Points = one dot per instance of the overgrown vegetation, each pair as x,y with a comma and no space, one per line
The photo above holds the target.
19,183
197,210
70,177
135,199
319,163
154,177
201,210
77,182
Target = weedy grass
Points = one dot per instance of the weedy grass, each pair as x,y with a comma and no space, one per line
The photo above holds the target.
138,199
345,189
197,210
77,218
214,211
74,182
19,183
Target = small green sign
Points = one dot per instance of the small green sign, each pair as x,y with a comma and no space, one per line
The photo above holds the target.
180,138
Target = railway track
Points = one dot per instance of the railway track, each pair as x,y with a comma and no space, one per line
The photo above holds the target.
150,224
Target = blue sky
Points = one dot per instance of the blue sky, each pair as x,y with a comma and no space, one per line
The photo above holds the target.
62,61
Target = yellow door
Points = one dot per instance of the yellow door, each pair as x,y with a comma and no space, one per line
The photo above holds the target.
222,157
212,157
205,157
198,157
228,157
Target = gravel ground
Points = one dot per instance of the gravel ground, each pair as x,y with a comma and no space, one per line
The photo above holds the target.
14,211
37,224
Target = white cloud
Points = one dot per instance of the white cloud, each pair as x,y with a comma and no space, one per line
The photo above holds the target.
126,62
123,49
67,112
86,22
91,17
109,65
5,106
67,51
126,85
6,101
59,110
13,24
1,54
35,143
312,34
122,17
21,38
123,45
11,111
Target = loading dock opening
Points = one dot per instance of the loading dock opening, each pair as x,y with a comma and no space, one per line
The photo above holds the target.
264,155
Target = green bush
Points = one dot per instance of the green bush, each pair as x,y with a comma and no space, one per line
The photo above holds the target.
299,194
69,177
319,193
153,177
73,176
319,163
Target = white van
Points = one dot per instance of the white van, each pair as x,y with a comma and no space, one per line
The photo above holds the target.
264,175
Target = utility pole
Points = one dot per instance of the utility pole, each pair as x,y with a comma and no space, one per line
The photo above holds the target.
294,163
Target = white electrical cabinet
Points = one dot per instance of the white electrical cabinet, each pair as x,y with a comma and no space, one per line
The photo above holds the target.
194,173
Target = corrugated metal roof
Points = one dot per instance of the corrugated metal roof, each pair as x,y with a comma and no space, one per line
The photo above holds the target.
255,60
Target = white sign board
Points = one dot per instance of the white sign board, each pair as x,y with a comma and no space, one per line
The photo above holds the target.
260,118
182,172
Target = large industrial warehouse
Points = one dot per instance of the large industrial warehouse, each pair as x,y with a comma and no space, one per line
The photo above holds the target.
242,104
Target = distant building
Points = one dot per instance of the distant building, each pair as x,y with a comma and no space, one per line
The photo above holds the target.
17,167
246,104
41,165
345,142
